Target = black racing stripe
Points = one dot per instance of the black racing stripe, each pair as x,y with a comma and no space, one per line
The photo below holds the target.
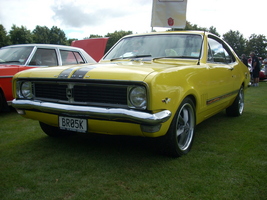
67,72
80,73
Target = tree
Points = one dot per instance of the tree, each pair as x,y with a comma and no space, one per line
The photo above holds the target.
20,35
69,41
114,37
213,30
95,36
41,35
257,44
4,38
57,36
236,40
189,26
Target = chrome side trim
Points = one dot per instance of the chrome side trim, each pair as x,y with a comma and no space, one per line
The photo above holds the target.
112,114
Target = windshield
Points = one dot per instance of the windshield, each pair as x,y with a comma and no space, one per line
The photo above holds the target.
157,46
15,55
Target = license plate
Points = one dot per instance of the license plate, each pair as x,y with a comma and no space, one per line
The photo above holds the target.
72,124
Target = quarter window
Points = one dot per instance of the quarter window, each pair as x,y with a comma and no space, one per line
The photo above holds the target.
71,57
218,53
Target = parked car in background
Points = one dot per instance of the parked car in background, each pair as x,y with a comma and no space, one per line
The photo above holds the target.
158,84
263,76
95,47
16,58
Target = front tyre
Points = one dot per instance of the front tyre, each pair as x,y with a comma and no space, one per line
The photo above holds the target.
237,108
179,138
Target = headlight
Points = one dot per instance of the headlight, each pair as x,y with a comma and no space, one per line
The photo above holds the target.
26,90
137,97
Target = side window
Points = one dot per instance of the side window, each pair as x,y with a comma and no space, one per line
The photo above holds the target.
228,57
44,57
210,56
78,57
216,51
71,57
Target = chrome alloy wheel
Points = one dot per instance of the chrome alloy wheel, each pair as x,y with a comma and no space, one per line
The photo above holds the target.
185,126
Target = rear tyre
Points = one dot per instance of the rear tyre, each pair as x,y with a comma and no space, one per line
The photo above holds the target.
52,130
237,108
179,138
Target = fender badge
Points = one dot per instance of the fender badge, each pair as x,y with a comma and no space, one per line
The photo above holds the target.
166,100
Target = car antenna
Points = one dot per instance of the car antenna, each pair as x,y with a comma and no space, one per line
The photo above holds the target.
198,62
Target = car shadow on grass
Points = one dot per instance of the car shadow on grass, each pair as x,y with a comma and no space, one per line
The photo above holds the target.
101,145
115,146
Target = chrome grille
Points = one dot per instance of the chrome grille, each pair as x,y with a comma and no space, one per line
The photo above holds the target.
100,94
81,93
50,91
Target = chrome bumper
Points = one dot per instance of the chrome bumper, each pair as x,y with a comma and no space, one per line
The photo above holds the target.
112,114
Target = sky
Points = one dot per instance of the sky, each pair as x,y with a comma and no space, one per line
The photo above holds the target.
81,18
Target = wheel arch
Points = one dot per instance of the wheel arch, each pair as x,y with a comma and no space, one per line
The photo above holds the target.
193,95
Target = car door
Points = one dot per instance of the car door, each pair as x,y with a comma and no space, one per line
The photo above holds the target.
221,65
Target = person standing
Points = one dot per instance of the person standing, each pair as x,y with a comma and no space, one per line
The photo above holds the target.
255,64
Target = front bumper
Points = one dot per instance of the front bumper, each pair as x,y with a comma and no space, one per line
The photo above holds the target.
113,114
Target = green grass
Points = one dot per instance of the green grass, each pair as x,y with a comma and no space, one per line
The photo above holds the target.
228,161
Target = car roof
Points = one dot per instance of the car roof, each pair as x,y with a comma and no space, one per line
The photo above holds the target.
171,32
43,46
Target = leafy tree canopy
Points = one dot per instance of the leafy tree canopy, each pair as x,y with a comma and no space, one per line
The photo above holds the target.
257,44
20,35
41,35
236,40
95,36
114,37
57,36
190,26
44,35
4,38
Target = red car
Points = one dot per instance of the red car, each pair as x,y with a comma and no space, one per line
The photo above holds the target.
16,58
262,74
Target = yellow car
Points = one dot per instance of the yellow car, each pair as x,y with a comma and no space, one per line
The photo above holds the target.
159,84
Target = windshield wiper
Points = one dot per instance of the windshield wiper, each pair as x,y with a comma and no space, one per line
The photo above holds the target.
135,56
166,57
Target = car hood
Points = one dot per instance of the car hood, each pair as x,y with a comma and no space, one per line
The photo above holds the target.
130,70
8,69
